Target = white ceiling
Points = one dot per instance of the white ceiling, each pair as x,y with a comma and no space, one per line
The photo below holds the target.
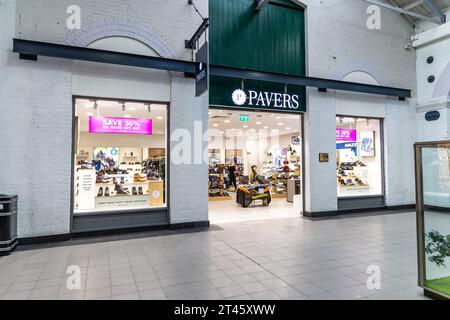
230,119
105,108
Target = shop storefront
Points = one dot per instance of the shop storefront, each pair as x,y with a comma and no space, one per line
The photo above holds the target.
359,162
120,155
126,97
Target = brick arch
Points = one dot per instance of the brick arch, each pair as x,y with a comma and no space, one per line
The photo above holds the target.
361,71
372,70
119,28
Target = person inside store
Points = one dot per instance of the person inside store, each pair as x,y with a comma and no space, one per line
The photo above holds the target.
254,175
232,175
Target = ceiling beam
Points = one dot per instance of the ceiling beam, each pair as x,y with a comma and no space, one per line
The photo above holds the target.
413,4
406,12
410,20
260,4
436,10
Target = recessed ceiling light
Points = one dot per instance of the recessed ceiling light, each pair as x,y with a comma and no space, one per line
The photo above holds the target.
131,108
278,117
210,113
281,124
216,125
258,123
288,128
222,132
127,116
266,127
160,118
253,130
245,127
227,121
233,129
272,115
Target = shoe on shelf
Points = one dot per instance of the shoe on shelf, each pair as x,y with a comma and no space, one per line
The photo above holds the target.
141,191
134,191
121,190
100,192
107,192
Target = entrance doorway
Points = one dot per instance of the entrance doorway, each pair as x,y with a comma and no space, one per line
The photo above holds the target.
255,165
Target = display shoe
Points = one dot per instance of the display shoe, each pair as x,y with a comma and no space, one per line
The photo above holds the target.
115,181
121,190
100,192
107,192
141,191
134,191
122,180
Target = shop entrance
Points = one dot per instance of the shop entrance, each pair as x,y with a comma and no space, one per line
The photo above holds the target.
255,165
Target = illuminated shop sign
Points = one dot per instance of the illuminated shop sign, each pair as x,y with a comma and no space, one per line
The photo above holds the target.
343,134
120,125
270,100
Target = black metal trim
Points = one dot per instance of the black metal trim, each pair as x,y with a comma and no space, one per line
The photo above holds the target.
190,225
27,47
385,209
103,56
307,81
191,44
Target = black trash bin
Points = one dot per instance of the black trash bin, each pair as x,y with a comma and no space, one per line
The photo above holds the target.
8,224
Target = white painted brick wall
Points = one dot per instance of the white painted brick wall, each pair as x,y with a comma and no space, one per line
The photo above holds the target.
338,43
35,136
35,103
433,96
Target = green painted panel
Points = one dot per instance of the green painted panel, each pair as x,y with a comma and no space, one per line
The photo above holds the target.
272,39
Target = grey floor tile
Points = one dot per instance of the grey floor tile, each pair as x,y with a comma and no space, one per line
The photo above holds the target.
22,286
97,294
253,287
265,295
127,296
153,294
148,285
123,289
21,295
231,291
212,294
288,293
118,281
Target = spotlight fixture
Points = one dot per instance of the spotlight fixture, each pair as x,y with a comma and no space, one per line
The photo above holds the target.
148,107
95,105
123,106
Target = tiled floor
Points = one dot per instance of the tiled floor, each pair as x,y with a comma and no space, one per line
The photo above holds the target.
287,258
221,212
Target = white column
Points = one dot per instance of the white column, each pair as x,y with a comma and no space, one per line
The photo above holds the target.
320,137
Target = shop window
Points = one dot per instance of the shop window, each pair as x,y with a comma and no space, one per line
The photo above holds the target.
358,157
120,155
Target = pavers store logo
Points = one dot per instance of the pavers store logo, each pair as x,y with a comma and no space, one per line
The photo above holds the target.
266,99
239,97
73,22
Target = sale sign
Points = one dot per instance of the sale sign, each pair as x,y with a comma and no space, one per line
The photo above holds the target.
345,134
120,125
